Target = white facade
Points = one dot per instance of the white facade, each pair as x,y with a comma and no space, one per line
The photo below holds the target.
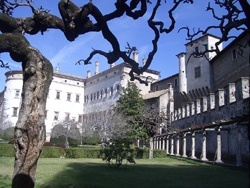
65,99
198,68
71,97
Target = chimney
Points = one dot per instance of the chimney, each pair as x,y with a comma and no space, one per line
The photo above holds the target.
135,56
88,74
112,65
144,61
97,66
182,72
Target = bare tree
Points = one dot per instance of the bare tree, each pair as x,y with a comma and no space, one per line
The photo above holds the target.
38,71
68,129
153,121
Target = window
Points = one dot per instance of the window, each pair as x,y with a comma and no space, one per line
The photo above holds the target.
197,72
67,116
111,90
97,94
58,95
156,88
85,99
17,94
94,96
176,82
234,54
101,93
91,97
68,96
80,118
14,111
196,50
117,88
106,92
205,46
56,115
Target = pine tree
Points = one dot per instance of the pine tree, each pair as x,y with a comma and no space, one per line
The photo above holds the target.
132,106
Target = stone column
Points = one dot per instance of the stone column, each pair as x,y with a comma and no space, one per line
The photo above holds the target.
204,100
167,145
218,152
184,145
163,143
193,146
212,101
221,97
239,148
204,146
198,106
157,143
178,145
154,141
172,145
231,92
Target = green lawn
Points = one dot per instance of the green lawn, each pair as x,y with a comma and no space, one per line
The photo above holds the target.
156,173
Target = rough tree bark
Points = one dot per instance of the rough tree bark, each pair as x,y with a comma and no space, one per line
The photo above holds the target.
30,128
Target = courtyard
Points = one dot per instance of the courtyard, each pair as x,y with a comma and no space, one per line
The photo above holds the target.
161,172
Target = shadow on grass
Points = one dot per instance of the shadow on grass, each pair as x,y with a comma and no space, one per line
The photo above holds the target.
78,175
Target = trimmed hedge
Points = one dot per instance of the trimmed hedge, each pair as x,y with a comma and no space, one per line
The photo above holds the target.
82,152
7,150
52,152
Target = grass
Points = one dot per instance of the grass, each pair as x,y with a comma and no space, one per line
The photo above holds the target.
167,172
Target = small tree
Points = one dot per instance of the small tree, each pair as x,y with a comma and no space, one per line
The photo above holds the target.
117,147
68,129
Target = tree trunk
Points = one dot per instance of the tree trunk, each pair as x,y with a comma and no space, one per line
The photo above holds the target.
30,133
151,147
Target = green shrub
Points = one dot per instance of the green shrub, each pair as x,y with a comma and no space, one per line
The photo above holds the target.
61,140
52,152
82,152
94,140
118,152
159,154
141,153
7,150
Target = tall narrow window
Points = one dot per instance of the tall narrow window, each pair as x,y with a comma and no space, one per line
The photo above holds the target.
91,97
156,88
197,72
56,115
176,82
111,90
117,88
17,94
106,92
196,50
67,115
14,114
68,96
58,95
98,94
234,54
80,118
101,93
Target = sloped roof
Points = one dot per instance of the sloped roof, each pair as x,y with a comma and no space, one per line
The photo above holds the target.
154,94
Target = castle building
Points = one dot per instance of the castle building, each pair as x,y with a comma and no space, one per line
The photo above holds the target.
75,98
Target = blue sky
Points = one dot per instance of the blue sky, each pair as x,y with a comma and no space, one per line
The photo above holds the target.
59,51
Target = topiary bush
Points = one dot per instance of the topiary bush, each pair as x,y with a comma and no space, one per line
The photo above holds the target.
52,152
